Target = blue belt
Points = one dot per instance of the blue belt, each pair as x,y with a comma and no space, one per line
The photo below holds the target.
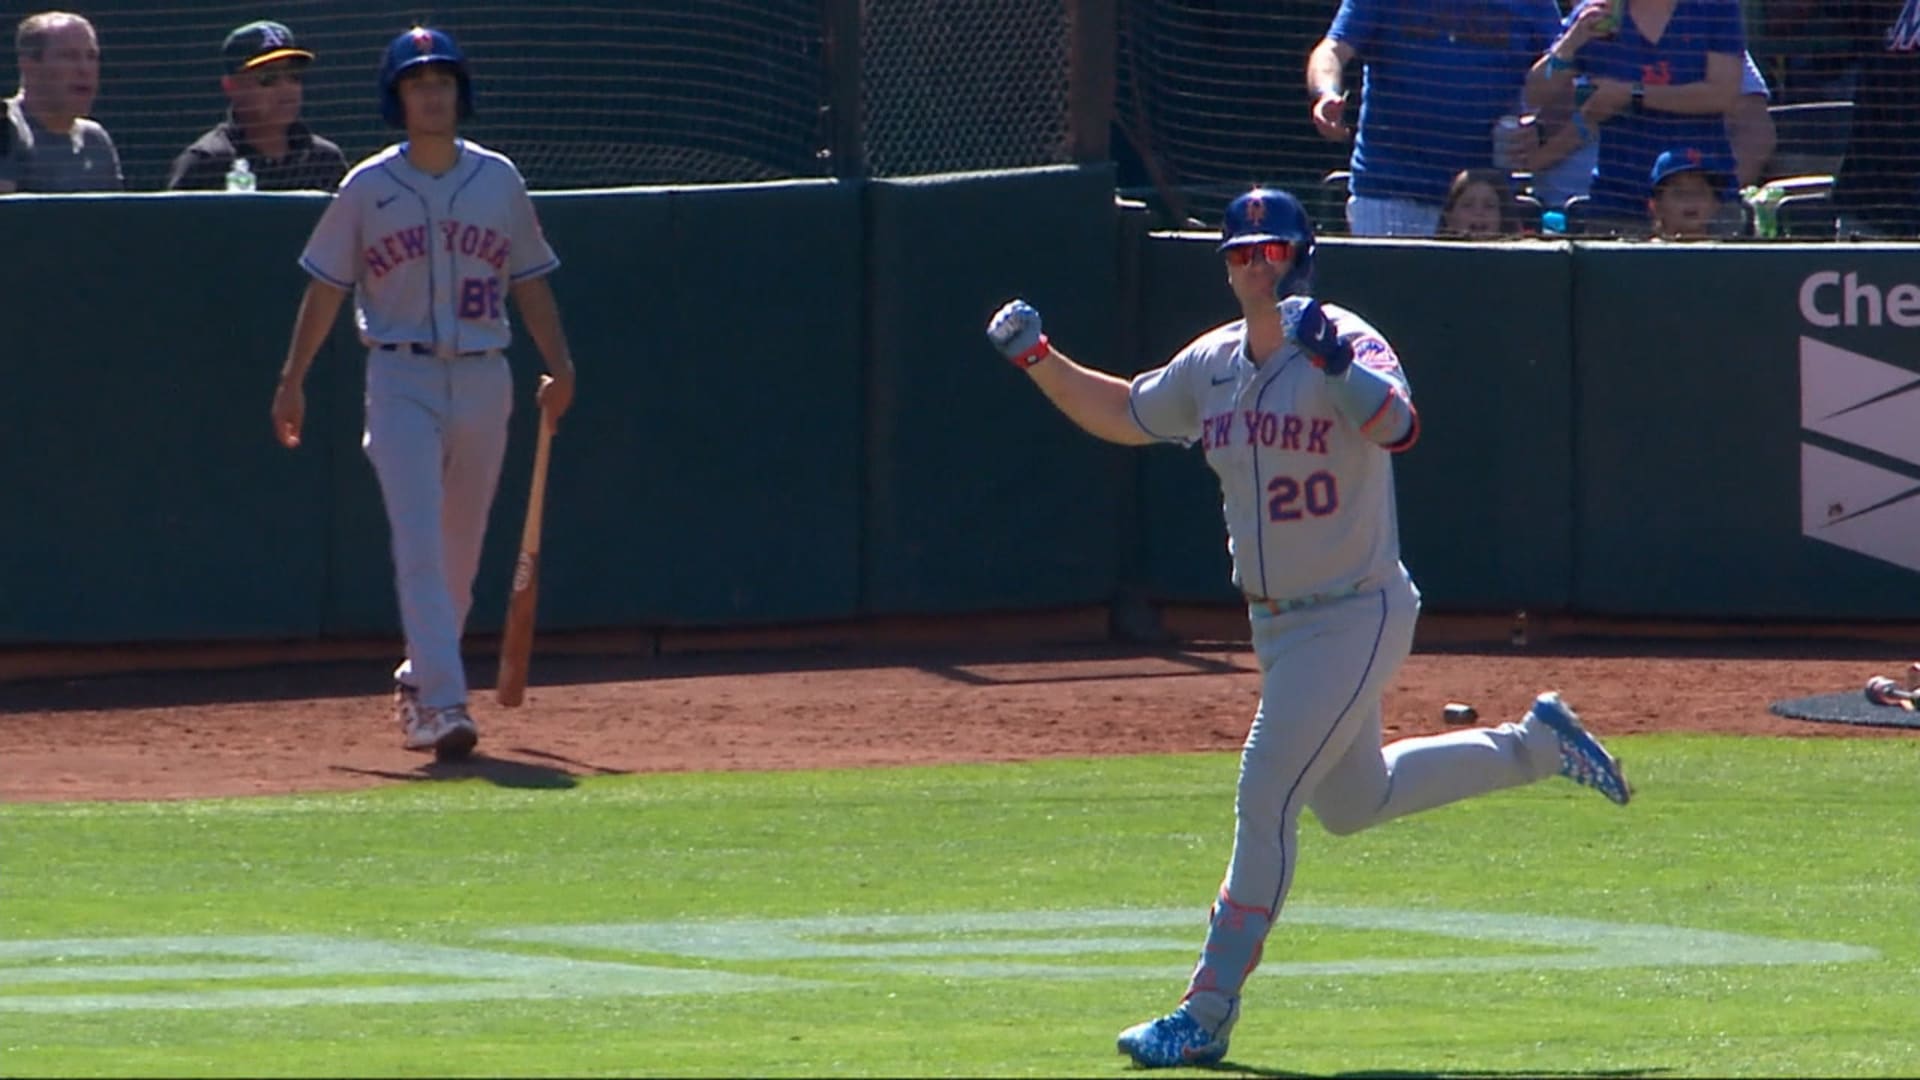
1294,603
418,349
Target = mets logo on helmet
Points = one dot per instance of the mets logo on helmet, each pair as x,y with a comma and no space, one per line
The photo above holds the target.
1256,211
422,39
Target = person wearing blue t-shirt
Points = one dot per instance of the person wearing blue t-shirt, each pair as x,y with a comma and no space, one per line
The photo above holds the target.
1562,164
1664,74
1438,74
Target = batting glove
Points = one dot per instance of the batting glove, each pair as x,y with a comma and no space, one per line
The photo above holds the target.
1309,326
1015,331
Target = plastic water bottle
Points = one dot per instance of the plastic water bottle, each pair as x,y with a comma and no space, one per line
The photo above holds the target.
1765,202
240,177
1506,134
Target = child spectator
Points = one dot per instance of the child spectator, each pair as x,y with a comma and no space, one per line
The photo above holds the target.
1480,206
1686,195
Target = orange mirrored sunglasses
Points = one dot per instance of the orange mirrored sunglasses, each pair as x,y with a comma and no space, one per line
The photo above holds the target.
1273,251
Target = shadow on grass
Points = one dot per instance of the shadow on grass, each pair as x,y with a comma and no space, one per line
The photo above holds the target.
501,772
1234,1068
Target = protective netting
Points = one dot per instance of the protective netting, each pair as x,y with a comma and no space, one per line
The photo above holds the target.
580,94
956,85
1208,100
1213,96
646,91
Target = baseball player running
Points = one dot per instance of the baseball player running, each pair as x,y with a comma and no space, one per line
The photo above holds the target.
1298,407
432,236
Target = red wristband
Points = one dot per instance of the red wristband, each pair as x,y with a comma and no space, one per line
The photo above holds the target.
1034,355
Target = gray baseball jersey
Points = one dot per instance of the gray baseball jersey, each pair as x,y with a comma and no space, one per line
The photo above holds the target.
1309,504
430,258
1308,498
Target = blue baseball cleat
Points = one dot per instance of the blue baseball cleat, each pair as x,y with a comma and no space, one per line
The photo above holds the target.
1174,1039
1582,759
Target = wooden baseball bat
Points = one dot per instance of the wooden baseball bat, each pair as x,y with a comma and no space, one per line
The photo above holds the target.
516,642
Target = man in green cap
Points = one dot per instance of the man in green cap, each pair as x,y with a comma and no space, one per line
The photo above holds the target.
262,145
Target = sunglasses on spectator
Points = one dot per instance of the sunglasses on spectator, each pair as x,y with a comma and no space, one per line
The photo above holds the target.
272,78
1272,251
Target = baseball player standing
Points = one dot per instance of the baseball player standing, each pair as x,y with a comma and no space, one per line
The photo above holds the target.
1298,408
431,236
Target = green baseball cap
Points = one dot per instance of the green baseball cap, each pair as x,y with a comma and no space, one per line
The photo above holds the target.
259,43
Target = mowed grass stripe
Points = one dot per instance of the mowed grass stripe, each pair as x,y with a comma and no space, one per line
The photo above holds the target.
1810,840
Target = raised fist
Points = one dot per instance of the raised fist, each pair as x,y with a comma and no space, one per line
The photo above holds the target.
1310,328
1015,331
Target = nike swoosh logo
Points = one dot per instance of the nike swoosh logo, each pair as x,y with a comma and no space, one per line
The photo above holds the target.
1221,382
381,204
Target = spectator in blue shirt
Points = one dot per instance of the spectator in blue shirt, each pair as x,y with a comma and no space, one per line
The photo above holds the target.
1665,73
1437,76
1562,164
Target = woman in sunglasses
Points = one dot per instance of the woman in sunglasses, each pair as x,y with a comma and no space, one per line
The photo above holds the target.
1299,408
264,82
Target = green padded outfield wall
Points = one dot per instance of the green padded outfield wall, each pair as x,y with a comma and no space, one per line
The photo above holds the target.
708,472
1485,496
760,445
145,495
1181,541
980,495
1748,431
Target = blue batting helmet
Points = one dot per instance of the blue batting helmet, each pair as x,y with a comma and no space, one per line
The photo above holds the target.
1264,215
420,45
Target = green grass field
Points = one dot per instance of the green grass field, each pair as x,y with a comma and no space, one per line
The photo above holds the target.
1755,912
